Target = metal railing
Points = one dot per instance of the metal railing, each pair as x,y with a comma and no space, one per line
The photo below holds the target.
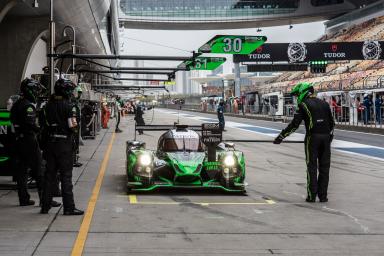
371,117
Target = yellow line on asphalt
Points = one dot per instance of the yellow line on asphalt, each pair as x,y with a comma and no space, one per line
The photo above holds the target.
133,199
78,247
269,201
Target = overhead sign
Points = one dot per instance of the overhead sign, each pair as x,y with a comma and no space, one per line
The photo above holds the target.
305,52
203,63
277,67
227,44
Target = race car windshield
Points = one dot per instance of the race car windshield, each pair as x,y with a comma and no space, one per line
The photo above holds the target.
182,144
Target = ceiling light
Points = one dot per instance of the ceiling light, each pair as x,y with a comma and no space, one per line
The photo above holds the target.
35,4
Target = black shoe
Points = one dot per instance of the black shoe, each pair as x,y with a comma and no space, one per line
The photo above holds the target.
323,200
73,212
55,204
118,130
309,200
44,211
27,203
77,164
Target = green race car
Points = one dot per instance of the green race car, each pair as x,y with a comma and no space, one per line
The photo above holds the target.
181,161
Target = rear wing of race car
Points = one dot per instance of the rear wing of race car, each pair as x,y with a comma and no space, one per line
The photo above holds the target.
161,127
199,128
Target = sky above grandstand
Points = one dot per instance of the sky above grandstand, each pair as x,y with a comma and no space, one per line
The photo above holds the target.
160,42
176,43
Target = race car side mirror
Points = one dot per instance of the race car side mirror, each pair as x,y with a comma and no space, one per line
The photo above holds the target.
135,145
229,145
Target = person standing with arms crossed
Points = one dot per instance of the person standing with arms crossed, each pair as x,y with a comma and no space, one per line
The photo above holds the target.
319,125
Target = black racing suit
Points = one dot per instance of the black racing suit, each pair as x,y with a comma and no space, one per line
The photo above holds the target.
220,116
27,149
319,125
139,117
76,135
58,151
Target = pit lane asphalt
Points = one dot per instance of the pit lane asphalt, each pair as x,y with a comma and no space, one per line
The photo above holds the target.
211,223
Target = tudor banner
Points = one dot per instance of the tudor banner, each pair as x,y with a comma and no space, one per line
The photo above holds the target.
305,52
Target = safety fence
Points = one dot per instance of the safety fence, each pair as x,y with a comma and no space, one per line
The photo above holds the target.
360,116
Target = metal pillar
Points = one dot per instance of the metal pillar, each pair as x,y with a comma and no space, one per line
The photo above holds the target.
51,48
223,89
237,80
73,44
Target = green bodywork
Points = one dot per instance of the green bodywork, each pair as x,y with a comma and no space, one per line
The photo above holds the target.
184,170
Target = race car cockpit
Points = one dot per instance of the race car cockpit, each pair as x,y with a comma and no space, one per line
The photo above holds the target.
179,141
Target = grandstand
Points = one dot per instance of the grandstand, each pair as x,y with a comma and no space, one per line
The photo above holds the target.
344,76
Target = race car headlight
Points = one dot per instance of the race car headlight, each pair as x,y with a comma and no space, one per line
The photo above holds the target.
145,159
229,160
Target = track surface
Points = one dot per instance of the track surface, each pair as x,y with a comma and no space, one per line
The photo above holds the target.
272,219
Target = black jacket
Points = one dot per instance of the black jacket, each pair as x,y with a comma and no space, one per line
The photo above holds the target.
23,117
317,117
57,112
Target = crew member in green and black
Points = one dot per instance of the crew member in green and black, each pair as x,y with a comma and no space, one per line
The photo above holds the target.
319,124
28,154
60,122
220,115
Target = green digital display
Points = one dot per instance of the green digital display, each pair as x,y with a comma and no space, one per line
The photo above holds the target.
173,82
3,158
204,63
227,44
5,118
212,166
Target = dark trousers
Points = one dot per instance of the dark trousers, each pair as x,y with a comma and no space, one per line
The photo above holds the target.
378,115
221,122
140,121
318,159
367,115
28,155
76,145
59,159
117,119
